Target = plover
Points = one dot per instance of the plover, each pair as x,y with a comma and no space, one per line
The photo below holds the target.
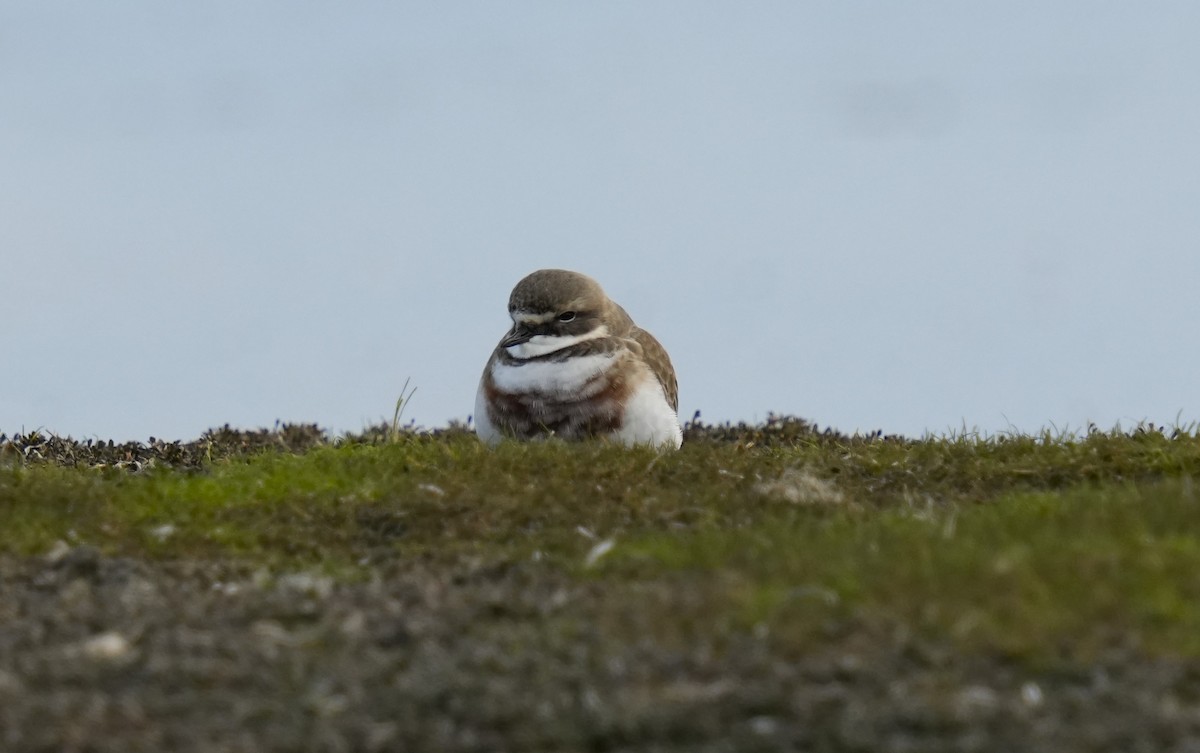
574,365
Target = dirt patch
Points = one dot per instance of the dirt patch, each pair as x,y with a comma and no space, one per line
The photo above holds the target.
114,654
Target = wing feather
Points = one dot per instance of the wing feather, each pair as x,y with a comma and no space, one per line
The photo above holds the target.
659,362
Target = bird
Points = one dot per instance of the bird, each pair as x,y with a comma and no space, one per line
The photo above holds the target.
575,366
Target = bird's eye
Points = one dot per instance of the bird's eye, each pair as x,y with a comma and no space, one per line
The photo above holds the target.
566,316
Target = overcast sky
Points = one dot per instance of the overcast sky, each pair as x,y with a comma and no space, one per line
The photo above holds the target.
906,216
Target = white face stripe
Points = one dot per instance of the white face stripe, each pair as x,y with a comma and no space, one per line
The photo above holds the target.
540,345
526,317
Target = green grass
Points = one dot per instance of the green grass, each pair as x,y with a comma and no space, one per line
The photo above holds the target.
1033,572
1032,547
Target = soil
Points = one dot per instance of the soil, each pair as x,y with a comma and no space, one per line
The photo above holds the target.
114,654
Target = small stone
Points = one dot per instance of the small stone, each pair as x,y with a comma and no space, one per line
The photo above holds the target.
308,584
163,532
849,664
975,700
354,625
1031,695
271,632
109,646
55,554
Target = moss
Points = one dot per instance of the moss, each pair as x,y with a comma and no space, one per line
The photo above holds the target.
1026,545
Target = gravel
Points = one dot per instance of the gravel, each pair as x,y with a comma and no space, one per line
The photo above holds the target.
115,654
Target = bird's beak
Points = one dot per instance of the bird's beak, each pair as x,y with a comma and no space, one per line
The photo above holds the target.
519,335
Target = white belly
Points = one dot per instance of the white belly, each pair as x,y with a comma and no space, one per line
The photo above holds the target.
649,419
484,428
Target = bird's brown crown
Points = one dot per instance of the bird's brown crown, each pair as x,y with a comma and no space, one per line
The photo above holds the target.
553,290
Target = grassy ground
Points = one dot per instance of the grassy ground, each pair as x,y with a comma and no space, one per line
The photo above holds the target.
765,588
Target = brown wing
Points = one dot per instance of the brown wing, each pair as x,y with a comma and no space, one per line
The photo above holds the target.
659,362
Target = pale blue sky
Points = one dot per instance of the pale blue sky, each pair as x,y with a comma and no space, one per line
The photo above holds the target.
905,216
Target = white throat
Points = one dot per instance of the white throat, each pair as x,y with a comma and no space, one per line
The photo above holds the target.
540,345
